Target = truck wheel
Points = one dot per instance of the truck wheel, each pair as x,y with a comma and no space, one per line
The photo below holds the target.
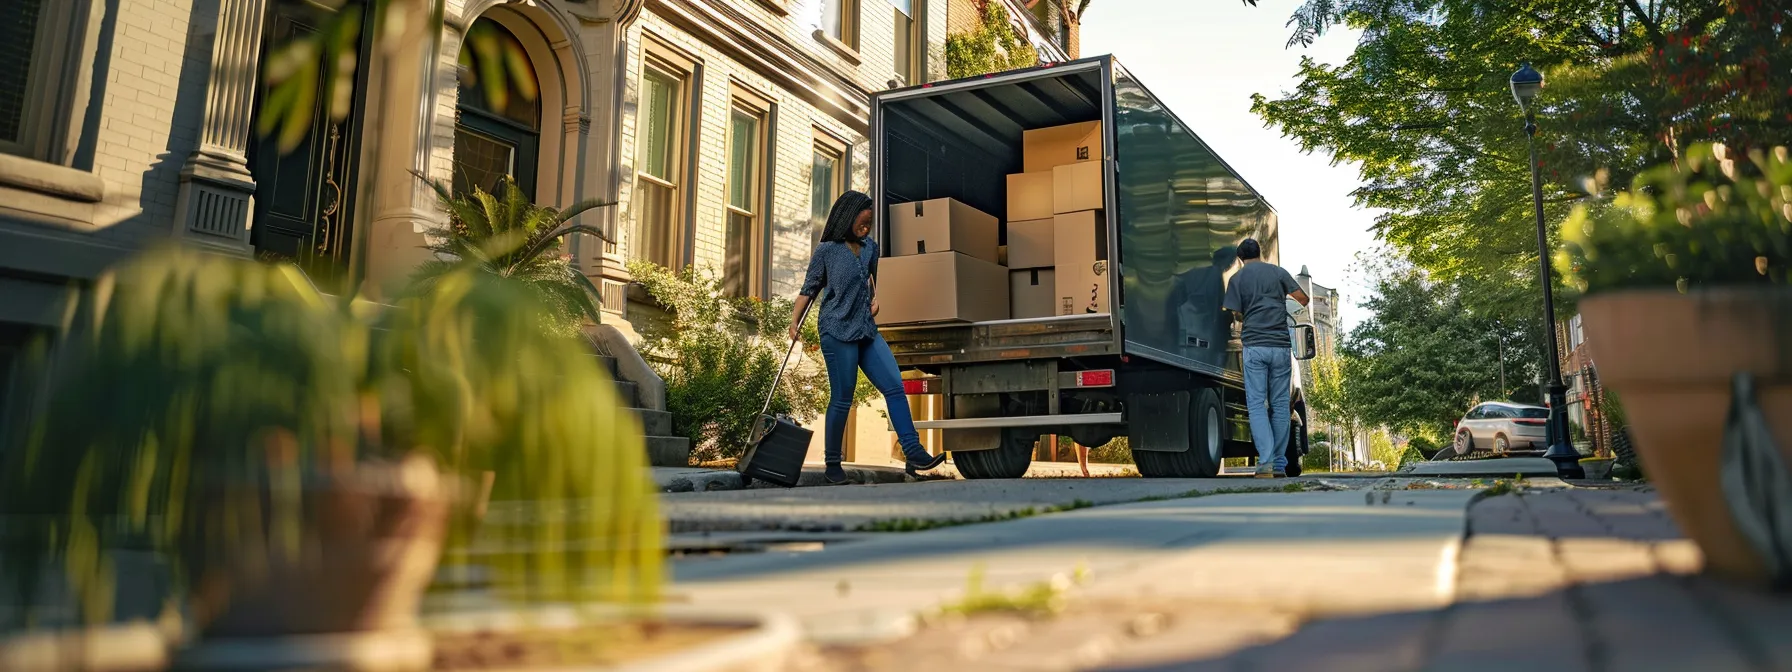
1202,459
1297,448
1009,460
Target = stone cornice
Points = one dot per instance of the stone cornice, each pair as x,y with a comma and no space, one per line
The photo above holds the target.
771,55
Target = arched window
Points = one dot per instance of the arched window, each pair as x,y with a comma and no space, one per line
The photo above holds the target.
497,131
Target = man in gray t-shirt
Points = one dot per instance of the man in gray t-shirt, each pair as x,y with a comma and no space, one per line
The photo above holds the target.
1256,294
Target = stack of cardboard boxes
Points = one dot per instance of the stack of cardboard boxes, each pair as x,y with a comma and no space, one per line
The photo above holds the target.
944,263
1057,233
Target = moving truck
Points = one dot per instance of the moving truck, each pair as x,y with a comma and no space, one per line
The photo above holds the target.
1135,343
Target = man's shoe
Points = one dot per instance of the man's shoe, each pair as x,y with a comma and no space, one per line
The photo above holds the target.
834,474
1280,473
1266,471
914,468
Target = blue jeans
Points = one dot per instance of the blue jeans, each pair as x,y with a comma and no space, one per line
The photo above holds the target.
845,359
1266,382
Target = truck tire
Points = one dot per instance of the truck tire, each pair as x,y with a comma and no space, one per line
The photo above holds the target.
1202,459
1009,460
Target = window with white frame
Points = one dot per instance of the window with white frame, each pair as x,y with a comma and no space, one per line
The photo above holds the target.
745,253
34,39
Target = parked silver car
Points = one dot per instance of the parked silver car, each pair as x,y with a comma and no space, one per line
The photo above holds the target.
1502,428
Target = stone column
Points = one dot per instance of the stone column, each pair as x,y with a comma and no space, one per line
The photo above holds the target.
604,33
404,127
216,197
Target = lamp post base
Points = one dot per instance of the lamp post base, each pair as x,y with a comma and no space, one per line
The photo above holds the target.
1561,452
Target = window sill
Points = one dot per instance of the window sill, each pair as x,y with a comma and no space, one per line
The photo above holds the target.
777,6
50,179
841,48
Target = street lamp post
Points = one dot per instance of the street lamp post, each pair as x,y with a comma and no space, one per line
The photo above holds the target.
1526,83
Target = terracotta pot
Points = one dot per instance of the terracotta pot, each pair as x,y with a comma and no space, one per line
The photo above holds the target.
1671,358
370,543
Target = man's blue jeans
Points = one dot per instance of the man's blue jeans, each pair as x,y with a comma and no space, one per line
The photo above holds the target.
1266,382
845,359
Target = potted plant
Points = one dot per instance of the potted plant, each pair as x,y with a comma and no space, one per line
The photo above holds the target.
1689,316
301,462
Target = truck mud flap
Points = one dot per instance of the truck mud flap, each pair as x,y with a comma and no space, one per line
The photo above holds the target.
1158,422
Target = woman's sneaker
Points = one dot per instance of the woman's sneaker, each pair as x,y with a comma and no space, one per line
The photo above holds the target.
834,474
914,468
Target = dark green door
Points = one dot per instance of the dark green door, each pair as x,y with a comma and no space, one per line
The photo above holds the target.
304,199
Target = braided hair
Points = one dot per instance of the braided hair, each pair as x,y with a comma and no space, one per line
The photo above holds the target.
841,219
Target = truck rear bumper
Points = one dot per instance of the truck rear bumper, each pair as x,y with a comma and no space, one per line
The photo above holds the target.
1025,421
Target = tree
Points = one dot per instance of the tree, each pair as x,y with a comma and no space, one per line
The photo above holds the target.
1433,347
1423,105
1328,395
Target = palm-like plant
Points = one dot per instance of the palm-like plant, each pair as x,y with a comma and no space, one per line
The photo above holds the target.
508,236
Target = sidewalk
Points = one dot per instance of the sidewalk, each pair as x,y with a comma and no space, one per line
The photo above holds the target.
1563,579
1206,548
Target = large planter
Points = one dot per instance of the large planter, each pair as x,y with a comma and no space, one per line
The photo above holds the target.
1672,358
349,598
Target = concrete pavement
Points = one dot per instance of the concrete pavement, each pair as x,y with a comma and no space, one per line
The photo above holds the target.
1587,579
1239,549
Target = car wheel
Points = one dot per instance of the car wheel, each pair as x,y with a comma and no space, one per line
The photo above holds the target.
1464,444
1501,446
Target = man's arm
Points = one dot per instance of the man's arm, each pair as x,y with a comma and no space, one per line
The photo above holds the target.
1293,288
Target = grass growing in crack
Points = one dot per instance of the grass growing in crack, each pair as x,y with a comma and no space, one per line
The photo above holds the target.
919,524
1042,598
1499,488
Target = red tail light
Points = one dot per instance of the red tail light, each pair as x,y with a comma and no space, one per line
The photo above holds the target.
1533,423
919,386
1101,378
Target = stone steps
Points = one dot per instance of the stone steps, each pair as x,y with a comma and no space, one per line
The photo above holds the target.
663,448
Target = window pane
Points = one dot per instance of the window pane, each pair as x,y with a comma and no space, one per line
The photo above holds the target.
907,7
743,153
905,42
1535,413
479,161
737,266
659,98
655,226
830,19
821,190
18,39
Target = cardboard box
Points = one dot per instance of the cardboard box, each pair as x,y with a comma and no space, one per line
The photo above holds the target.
1030,196
940,225
1030,244
1080,253
1077,187
1047,148
940,287
1030,293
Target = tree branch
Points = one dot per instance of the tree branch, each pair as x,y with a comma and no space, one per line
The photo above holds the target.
1649,24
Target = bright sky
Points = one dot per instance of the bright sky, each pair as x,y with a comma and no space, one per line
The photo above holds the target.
1205,58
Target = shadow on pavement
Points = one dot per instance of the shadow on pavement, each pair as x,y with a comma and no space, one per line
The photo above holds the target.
1661,622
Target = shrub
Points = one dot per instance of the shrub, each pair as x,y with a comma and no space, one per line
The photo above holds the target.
1716,218
1318,458
718,355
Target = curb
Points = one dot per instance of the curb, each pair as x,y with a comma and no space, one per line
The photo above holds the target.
813,476
769,645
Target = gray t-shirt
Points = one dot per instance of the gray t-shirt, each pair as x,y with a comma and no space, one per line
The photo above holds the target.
1258,291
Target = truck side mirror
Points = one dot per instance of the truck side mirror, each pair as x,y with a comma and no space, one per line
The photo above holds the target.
1305,344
